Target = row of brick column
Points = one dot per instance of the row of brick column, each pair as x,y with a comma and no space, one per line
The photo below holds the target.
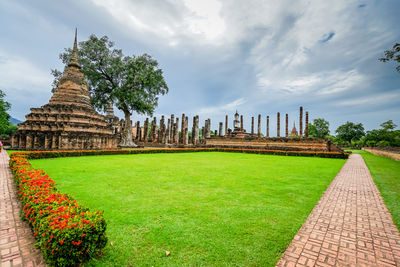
53,141
176,130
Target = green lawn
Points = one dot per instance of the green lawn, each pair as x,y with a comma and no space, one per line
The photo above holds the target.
386,174
208,208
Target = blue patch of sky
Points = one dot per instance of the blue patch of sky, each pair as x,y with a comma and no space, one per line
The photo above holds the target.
327,37
362,5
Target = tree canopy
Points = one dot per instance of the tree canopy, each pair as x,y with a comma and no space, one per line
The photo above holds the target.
393,54
386,136
4,116
350,132
131,83
319,128
388,125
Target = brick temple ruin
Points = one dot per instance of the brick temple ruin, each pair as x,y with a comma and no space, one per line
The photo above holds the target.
174,132
68,121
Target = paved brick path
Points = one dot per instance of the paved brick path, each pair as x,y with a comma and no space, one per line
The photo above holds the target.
16,239
350,225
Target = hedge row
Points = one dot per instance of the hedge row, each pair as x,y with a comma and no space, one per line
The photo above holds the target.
77,153
67,233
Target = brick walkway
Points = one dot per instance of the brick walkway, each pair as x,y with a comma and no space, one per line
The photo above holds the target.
350,225
16,239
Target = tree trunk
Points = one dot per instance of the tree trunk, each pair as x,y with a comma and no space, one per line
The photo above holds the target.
126,136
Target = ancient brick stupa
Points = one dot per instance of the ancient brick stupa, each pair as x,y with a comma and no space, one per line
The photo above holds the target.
68,121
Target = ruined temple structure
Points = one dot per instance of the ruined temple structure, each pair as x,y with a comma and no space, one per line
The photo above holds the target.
172,136
294,131
68,121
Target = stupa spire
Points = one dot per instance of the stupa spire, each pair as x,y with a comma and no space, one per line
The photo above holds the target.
73,60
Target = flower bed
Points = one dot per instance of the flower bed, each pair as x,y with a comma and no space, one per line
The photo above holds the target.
67,233
77,153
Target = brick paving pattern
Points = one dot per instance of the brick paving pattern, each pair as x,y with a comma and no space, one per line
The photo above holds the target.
350,225
16,239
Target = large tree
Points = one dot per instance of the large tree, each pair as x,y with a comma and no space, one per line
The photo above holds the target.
4,116
131,83
350,131
393,54
319,128
388,125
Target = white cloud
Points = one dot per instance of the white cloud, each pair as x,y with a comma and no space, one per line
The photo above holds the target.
170,21
222,109
205,18
21,74
372,100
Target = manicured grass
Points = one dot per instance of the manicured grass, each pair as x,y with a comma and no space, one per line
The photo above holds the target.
386,174
208,208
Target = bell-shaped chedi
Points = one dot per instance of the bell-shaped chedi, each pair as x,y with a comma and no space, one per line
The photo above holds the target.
68,121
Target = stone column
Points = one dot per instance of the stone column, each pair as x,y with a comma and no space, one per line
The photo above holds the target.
28,141
14,141
182,137
146,129
138,132
287,126
278,125
226,125
306,130
193,126
64,141
161,137
259,126
241,123
46,141
171,137
186,137
220,128
21,143
208,128
203,133
59,143
168,133
301,122
252,126
176,137
196,130
267,126
154,130
36,144
53,142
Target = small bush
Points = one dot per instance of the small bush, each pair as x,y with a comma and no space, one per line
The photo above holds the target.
383,143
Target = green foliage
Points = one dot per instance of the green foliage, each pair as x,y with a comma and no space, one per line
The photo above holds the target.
4,116
388,125
383,143
386,136
207,209
319,128
350,131
370,143
393,54
11,129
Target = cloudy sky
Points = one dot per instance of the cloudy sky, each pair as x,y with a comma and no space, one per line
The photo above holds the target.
256,56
